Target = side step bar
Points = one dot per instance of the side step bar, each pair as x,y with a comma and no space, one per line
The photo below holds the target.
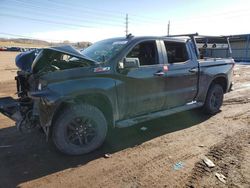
147,117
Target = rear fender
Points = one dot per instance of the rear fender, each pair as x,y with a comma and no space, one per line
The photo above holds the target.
220,79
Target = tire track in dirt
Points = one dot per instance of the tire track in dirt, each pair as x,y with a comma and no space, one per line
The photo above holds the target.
227,156
238,100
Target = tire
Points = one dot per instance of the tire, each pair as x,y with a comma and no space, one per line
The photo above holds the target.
214,99
79,130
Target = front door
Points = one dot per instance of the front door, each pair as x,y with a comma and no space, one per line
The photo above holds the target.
141,89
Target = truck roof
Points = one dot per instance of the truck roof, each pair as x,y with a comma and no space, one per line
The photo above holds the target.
139,38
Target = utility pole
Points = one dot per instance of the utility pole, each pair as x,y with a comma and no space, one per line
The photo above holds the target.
126,30
168,27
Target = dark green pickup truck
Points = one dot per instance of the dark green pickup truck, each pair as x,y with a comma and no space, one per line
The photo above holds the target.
76,96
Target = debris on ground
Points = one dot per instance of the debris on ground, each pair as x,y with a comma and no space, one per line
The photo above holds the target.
178,166
107,155
144,128
208,162
221,177
201,146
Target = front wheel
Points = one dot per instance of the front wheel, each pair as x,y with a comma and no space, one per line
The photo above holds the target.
79,129
214,99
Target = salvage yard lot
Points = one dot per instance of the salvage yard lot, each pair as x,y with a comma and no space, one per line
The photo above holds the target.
138,157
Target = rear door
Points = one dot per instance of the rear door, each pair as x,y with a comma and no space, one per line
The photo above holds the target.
181,79
141,89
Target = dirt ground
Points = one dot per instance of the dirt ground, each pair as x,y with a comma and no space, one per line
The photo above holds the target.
169,153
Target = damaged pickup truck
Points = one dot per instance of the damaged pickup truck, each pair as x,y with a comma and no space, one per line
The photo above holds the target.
75,97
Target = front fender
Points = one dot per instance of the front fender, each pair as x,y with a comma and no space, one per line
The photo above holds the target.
67,91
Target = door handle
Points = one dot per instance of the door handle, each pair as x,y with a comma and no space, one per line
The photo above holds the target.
193,70
160,73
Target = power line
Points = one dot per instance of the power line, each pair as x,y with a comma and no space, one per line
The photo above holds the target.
73,18
113,18
97,12
90,24
61,7
70,18
15,35
82,7
28,37
109,12
89,15
45,21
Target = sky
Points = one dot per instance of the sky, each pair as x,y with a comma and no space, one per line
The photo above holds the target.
82,20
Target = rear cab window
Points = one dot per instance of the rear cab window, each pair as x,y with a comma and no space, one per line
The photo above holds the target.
176,52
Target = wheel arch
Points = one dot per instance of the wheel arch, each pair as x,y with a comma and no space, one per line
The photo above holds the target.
220,80
100,101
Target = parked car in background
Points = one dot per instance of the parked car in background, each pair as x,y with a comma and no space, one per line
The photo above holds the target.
14,49
3,48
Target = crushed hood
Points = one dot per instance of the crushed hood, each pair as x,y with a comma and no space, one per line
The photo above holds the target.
68,50
46,56
36,60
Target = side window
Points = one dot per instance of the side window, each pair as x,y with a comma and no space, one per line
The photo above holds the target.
146,52
176,52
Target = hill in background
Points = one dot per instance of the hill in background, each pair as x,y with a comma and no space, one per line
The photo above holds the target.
22,42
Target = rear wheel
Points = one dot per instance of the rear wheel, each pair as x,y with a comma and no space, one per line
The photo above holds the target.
214,99
79,130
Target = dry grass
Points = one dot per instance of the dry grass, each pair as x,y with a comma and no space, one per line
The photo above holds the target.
22,45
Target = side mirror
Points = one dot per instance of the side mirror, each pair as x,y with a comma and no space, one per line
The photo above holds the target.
131,62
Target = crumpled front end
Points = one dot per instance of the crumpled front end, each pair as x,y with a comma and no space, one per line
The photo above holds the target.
33,107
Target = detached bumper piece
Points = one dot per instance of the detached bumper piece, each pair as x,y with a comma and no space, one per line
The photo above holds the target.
9,107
